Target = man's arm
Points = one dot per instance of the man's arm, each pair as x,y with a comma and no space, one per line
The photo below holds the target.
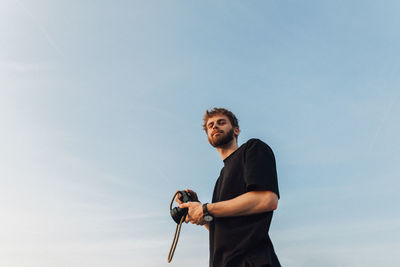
249,203
252,202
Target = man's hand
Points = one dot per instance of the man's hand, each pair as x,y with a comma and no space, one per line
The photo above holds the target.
192,194
195,212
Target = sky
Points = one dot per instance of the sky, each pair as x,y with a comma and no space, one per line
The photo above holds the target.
101,106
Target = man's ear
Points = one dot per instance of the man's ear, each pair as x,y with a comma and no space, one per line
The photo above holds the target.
236,131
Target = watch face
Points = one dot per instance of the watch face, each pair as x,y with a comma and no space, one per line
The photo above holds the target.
208,218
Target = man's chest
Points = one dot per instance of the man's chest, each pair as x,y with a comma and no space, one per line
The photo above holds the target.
231,183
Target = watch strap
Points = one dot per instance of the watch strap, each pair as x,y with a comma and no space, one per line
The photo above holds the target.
205,210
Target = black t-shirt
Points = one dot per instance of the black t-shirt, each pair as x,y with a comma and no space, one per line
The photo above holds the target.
243,241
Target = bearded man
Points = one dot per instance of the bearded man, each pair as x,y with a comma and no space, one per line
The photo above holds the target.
245,196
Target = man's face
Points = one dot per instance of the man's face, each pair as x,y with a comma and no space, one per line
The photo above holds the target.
220,131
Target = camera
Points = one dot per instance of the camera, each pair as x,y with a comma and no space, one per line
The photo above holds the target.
177,213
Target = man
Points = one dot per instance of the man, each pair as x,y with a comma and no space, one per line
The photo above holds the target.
245,196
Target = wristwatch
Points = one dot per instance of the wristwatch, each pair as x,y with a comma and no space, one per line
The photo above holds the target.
206,215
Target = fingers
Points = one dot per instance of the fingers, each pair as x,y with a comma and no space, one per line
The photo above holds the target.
195,213
177,198
190,191
193,194
184,205
191,220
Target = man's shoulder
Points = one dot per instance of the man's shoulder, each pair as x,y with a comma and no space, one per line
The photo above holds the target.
255,144
254,141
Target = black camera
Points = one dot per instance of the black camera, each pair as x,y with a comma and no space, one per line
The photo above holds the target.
177,213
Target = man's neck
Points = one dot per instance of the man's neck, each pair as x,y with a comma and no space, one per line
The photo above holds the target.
228,149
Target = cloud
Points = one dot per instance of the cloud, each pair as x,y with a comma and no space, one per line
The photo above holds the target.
40,26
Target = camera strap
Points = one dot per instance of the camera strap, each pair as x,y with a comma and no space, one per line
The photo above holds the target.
176,238
177,232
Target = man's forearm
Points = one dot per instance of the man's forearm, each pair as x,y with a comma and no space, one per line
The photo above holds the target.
249,203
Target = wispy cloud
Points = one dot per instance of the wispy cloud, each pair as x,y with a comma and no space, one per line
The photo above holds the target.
40,26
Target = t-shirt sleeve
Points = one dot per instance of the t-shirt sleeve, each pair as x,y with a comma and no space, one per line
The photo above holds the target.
260,167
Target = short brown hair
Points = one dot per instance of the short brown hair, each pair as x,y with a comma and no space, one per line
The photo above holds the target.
217,111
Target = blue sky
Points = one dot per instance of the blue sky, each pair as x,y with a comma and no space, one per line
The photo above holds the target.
101,105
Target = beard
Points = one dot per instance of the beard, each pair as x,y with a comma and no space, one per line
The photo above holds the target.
221,140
